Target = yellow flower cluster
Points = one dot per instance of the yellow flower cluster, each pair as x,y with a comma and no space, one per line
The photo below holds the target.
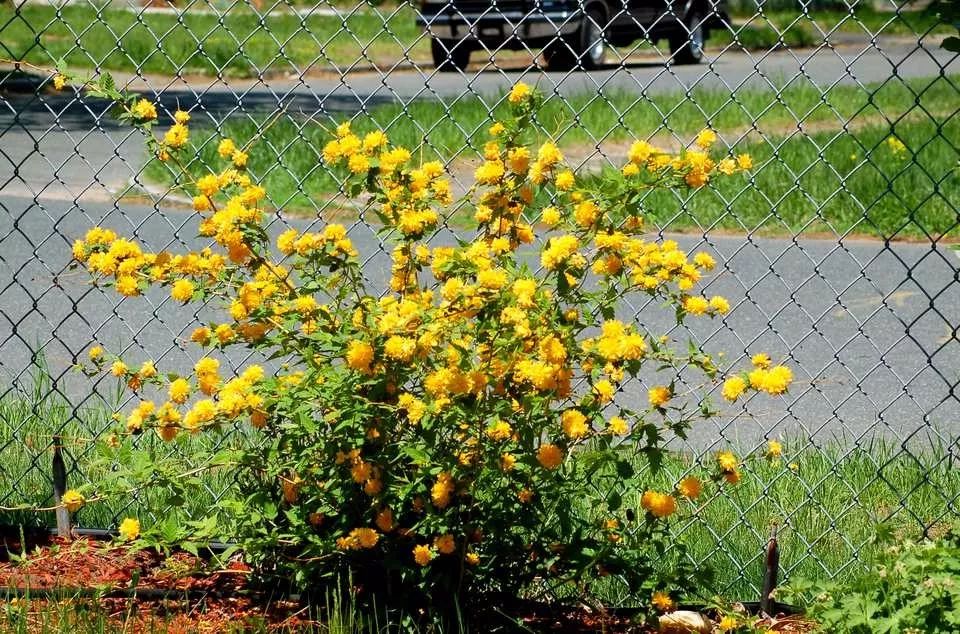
765,377
694,167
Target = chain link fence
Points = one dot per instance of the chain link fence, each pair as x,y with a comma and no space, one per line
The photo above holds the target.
833,251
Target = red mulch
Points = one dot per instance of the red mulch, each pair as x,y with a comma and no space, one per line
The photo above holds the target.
183,593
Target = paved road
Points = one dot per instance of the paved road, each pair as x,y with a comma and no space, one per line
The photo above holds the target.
867,325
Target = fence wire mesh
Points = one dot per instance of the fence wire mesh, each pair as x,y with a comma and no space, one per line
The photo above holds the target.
833,250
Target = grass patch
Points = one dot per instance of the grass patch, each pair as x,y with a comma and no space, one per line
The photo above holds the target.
834,182
242,44
30,417
827,503
862,20
826,180
238,44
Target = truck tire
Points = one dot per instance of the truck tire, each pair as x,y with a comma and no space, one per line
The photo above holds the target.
449,56
585,48
687,47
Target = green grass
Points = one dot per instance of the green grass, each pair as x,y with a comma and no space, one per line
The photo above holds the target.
31,415
239,44
860,21
236,45
26,614
828,180
827,508
838,184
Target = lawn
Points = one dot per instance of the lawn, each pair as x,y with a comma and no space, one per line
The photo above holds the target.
823,179
243,43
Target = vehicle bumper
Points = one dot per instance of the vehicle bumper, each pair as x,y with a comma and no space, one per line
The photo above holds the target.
497,27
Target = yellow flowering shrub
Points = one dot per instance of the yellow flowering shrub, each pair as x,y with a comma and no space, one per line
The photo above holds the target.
448,436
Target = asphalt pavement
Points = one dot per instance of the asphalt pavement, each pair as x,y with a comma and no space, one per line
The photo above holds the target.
868,327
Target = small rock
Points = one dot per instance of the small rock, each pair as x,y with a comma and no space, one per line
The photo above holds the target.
685,622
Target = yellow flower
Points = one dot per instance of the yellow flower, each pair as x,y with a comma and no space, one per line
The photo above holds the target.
551,216
550,456
202,203
696,305
181,117
499,430
144,111
490,172
603,390
208,185
574,424
129,529
519,93
630,169
662,602
179,390
59,81
384,520
148,370
496,129
704,261
239,159
182,290
374,140
472,558
548,155
618,426
441,490
118,369
690,487
400,348
774,449
727,166
733,388
659,396
761,360
660,505
773,381
72,500
640,151
744,161
127,285
719,305
706,138
896,145
224,333
727,461
564,181
226,148
177,136
95,353
728,623
200,335
422,555
445,544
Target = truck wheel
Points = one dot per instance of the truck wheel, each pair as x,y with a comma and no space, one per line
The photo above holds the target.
687,47
584,48
449,55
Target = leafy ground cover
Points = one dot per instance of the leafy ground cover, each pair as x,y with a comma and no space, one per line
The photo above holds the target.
828,178
242,43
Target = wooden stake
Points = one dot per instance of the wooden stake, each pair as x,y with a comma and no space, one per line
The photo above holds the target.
772,562
59,488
